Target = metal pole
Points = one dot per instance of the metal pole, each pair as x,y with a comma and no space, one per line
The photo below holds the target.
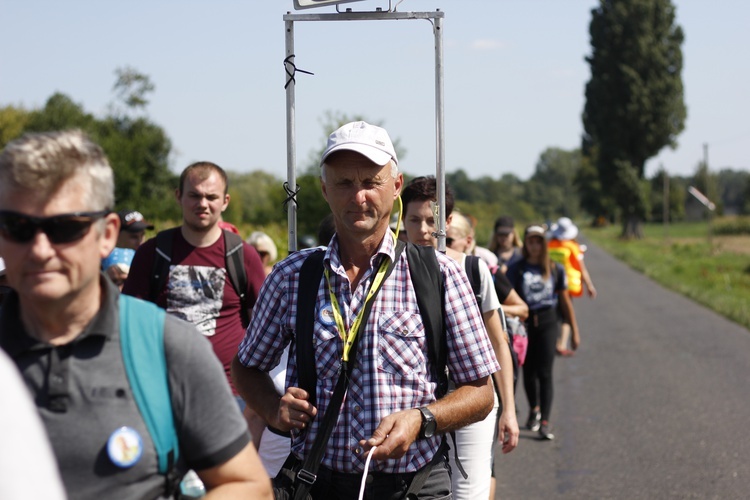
707,192
666,204
291,146
440,128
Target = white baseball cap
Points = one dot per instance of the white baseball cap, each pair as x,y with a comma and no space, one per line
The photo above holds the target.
361,137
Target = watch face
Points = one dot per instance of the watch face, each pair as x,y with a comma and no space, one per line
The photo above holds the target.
428,423
429,428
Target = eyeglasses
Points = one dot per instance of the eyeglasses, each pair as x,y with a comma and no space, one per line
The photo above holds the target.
449,241
63,228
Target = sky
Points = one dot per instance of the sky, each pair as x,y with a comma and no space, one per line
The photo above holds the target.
514,77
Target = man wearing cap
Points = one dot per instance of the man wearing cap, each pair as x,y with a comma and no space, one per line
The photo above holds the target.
390,405
132,229
66,328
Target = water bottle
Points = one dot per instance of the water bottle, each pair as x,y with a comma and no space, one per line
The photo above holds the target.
191,486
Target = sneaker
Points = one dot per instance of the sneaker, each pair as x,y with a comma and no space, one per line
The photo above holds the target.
534,421
544,432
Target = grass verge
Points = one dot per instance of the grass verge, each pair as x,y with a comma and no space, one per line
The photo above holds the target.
716,275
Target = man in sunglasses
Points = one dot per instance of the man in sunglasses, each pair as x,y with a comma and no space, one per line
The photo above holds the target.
61,325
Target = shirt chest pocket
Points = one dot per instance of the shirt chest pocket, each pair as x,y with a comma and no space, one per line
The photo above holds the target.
401,343
327,355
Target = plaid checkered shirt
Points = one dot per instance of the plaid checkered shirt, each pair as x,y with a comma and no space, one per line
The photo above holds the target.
391,373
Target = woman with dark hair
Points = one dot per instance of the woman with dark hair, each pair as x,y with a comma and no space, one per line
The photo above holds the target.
505,242
542,284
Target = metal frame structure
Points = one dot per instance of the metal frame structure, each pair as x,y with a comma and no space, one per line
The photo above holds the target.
436,18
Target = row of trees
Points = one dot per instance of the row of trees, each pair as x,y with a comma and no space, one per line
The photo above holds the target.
138,149
564,182
634,108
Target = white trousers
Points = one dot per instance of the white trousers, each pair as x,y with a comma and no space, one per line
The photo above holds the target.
475,444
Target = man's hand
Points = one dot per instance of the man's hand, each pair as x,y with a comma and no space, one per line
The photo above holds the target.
394,435
295,411
507,431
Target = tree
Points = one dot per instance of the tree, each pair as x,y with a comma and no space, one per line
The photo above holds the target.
132,87
551,188
592,197
59,113
676,200
137,148
13,121
732,189
634,99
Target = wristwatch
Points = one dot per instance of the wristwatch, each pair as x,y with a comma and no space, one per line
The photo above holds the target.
429,425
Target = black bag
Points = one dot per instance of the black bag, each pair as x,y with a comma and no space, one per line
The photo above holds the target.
283,484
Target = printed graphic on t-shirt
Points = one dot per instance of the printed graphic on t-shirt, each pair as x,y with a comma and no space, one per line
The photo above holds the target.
195,294
537,290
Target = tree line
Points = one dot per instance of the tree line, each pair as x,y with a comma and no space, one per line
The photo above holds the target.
634,108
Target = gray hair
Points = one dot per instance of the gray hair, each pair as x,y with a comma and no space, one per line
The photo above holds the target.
394,170
44,162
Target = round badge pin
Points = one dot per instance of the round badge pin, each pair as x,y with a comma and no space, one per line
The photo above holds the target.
326,315
125,447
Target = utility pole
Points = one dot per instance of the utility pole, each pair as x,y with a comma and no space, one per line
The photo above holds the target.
666,203
710,212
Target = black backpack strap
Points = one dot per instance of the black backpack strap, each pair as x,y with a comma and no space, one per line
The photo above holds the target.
471,266
307,292
162,259
234,260
429,289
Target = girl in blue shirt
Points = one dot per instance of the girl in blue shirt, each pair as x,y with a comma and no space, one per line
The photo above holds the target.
542,284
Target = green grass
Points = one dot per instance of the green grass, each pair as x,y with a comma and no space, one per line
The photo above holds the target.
685,263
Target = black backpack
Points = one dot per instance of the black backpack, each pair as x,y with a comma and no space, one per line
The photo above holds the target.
233,260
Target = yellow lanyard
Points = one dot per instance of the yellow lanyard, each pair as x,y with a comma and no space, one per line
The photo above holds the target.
348,336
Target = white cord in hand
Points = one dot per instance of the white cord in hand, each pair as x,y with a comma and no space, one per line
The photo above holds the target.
364,476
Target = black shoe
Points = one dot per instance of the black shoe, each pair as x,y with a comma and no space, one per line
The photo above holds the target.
535,419
544,432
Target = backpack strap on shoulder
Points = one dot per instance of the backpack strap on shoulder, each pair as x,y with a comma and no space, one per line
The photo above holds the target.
429,289
307,291
471,266
235,263
142,344
162,260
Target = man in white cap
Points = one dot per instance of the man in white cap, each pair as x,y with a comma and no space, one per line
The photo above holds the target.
390,403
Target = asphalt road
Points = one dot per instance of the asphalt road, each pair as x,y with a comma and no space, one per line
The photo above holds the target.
655,404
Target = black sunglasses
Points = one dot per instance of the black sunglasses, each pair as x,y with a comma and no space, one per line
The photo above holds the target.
449,241
63,228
